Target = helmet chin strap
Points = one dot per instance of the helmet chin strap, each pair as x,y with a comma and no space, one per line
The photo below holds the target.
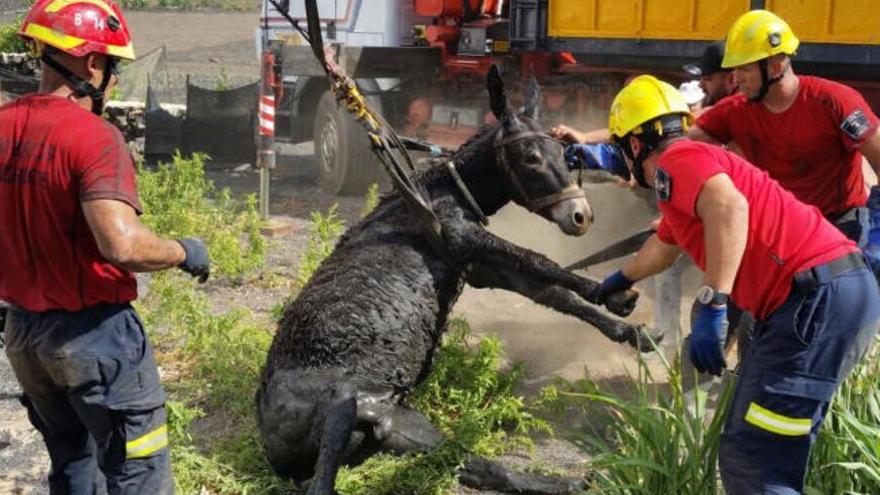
638,170
766,81
81,87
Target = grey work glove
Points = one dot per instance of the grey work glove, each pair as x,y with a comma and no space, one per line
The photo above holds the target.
197,262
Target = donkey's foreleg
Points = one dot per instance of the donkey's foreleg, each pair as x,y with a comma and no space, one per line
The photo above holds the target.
339,422
484,474
565,301
481,247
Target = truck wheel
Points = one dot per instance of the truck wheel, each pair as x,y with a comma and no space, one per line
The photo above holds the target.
346,165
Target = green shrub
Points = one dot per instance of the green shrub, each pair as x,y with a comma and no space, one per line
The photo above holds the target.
325,229
471,401
659,440
846,457
179,201
215,362
224,83
176,4
371,200
134,4
10,41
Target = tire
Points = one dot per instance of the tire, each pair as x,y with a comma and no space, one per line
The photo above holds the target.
346,164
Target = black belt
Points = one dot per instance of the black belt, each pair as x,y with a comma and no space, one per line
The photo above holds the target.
809,279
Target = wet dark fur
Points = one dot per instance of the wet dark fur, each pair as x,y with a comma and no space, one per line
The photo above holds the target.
364,330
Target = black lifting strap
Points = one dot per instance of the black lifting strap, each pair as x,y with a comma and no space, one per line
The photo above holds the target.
382,136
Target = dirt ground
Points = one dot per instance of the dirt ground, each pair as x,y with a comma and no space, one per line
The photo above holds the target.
549,344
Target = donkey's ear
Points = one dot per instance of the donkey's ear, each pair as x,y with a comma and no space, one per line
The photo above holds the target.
497,95
532,98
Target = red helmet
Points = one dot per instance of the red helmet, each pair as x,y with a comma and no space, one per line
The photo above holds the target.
79,27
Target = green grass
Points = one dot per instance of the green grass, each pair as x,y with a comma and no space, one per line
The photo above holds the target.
180,201
10,41
846,457
472,402
653,438
371,201
325,230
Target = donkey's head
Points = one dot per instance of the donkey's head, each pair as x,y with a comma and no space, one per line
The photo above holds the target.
532,162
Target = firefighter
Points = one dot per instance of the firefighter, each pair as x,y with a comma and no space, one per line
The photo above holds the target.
816,303
715,81
808,133
71,240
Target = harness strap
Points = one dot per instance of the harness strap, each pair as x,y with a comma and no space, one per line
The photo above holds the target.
450,165
570,192
535,205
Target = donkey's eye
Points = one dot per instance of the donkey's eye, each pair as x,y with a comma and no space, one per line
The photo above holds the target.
533,159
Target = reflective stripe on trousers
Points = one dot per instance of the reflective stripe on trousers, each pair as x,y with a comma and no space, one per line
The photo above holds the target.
796,360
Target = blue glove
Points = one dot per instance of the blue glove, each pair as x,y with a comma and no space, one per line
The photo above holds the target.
872,246
708,331
197,263
614,283
601,156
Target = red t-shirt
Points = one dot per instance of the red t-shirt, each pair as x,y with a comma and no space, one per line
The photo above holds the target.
53,156
810,148
785,236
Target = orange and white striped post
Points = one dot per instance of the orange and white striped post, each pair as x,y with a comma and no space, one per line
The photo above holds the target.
266,117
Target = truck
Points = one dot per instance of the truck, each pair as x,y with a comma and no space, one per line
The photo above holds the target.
422,63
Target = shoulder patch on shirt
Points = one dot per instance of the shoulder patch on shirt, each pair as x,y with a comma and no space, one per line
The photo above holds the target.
662,185
856,125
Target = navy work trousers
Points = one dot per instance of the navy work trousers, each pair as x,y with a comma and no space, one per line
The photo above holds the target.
798,357
855,224
91,388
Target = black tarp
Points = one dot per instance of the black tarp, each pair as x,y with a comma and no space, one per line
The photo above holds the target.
163,130
221,123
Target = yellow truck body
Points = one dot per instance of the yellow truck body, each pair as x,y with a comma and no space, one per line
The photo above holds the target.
817,21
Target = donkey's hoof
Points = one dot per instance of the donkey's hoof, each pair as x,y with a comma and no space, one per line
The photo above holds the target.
622,303
645,339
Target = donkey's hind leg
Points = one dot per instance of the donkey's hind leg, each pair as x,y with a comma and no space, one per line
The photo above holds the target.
403,430
400,429
339,422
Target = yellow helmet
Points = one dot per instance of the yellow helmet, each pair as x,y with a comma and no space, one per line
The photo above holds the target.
643,100
757,35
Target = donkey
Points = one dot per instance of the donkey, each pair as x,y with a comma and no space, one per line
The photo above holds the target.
365,328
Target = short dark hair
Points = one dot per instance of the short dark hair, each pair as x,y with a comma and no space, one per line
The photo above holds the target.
710,62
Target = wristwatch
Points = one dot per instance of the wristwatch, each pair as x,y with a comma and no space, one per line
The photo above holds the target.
709,296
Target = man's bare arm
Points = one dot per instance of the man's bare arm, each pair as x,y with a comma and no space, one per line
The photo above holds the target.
126,242
571,135
724,212
654,257
871,151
